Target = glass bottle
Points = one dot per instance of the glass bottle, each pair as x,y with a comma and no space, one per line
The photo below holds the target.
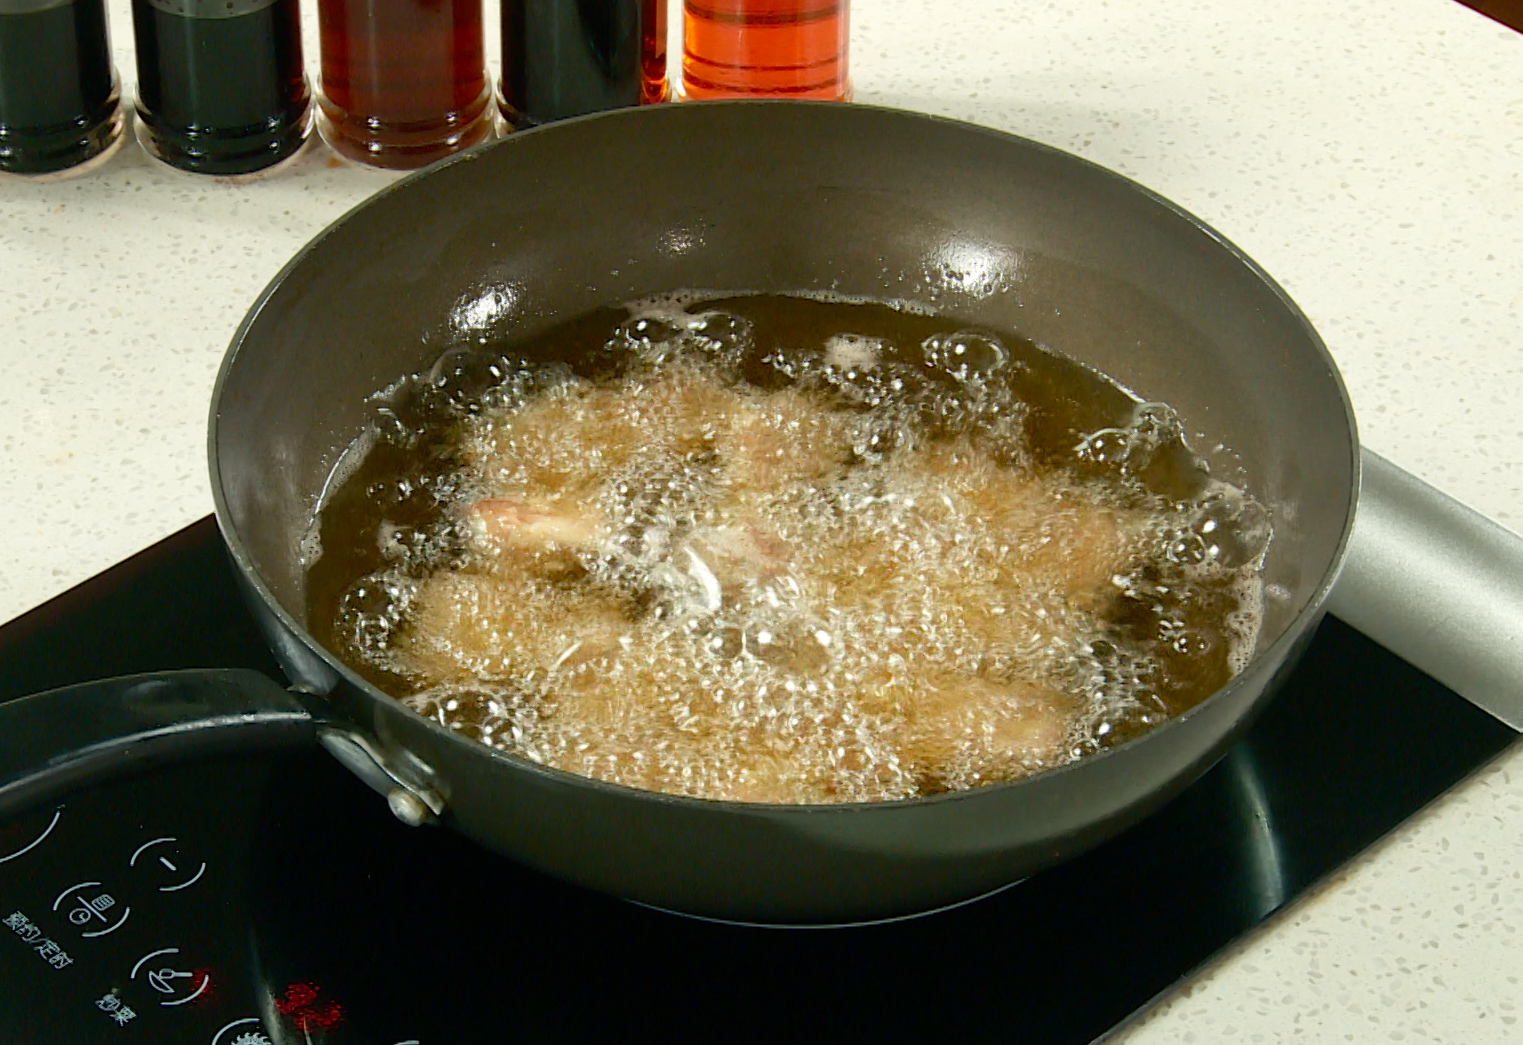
564,58
60,104
220,83
404,82
653,84
765,49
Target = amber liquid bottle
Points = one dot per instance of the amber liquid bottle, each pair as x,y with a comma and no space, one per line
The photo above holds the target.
404,82
565,58
220,82
59,102
765,49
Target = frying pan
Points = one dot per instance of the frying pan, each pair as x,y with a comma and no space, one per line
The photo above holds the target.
506,241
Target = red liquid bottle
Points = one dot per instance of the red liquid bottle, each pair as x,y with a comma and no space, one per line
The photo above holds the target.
404,82
653,85
765,49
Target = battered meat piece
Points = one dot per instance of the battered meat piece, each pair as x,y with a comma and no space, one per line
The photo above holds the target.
508,623
573,436
691,587
768,443
962,732
1062,537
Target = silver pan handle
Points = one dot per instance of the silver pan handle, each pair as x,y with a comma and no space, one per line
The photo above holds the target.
1439,585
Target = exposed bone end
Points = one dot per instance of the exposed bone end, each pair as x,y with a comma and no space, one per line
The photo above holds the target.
513,524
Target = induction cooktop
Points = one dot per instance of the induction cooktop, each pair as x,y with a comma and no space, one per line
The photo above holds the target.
264,896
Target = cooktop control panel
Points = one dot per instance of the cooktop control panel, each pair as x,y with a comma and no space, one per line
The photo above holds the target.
128,914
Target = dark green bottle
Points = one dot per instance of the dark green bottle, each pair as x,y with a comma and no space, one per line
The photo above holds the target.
59,100
221,88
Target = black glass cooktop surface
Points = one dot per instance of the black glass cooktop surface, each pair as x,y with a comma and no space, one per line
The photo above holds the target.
266,897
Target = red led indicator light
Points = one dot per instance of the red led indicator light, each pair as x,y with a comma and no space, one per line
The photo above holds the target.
303,1006
208,988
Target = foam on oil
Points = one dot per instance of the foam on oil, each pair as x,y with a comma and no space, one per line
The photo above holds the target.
781,549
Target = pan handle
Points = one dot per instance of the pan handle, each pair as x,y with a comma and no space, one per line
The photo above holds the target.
1439,585
65,738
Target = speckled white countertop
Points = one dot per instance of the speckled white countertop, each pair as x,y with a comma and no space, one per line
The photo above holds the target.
1369,154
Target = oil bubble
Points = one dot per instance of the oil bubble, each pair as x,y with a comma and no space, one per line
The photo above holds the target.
392,430
372,611
1156,423
966,355
645,331
1234,529
1185,547
458,380
1190,643
721,335
1111,448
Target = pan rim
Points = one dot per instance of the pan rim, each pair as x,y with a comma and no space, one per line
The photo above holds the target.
1299,626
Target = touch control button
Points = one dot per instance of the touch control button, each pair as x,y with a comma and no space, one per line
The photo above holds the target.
91,909
10,847
241,1032
177,985
162,856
